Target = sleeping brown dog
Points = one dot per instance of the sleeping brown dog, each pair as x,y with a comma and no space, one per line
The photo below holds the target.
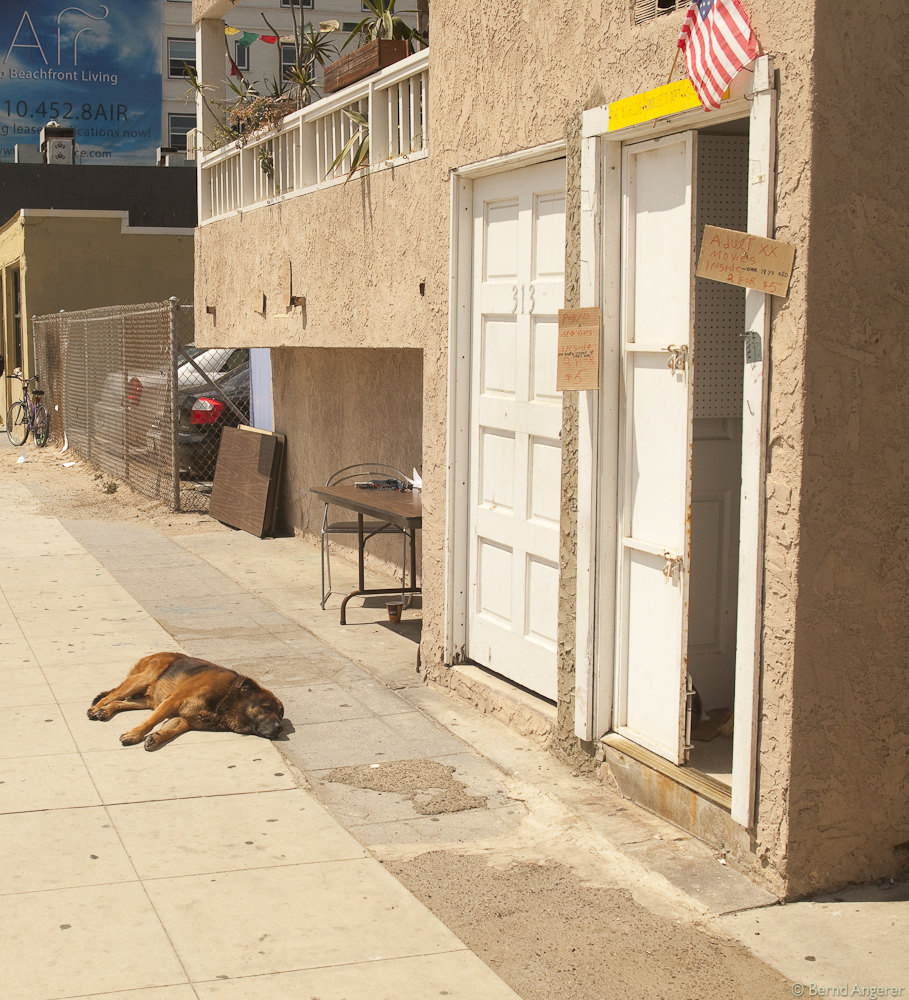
186,694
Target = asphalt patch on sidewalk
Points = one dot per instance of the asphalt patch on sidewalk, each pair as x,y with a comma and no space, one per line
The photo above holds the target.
430,786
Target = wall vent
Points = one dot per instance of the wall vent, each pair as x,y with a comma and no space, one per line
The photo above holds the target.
645,10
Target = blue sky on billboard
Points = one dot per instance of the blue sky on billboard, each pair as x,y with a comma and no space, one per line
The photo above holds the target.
93,66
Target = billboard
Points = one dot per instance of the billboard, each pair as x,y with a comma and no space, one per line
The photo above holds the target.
94,67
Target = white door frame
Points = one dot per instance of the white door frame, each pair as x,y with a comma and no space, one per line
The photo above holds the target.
598,451
458,413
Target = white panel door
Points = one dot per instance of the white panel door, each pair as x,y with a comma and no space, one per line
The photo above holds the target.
515,424
655,465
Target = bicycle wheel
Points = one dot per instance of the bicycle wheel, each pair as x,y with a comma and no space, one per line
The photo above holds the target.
17,424
41,429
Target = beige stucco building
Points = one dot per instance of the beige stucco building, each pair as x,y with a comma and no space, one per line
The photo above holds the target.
53,259
729,504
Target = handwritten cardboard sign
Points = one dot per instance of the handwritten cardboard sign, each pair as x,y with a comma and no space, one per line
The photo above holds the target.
742,259
578,352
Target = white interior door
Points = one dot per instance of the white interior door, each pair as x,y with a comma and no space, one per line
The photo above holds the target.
515,424
655,436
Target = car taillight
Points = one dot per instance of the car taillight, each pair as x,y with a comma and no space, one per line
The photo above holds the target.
206,411
133,391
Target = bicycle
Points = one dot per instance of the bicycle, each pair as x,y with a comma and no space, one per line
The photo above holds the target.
27,414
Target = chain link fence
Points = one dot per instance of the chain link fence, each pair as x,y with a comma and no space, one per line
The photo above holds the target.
137,400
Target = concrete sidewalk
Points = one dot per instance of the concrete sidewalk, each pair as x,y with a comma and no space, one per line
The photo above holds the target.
225,866
211,872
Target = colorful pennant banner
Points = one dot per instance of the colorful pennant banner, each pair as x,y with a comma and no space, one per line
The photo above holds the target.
248,37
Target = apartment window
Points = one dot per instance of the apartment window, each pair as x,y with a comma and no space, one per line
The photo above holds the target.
288,58
177,127
644,10
181,52
241,56
304,4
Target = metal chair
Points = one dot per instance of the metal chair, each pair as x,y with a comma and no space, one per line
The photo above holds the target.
358,473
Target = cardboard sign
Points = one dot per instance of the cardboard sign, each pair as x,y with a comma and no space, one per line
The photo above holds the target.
742,259
578,352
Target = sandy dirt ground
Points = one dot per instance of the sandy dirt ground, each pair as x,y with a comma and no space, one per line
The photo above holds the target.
68,487
584,937
580,941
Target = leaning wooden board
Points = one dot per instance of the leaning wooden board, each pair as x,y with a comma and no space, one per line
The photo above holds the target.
245,489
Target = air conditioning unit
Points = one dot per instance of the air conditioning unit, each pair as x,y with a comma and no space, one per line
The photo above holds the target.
27,154
58,143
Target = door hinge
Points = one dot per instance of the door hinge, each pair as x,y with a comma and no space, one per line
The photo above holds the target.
690,695
678,358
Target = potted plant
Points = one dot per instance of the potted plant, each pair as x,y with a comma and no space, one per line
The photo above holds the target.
258,107
387,39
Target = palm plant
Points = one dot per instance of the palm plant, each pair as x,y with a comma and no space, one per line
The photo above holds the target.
253,107
357,146
311,48
383,22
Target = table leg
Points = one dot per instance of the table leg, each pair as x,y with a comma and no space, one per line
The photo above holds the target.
361,545
361,575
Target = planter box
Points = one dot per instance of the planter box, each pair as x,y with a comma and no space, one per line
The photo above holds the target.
367,59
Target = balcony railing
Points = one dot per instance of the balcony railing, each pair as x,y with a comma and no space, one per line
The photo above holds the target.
297,157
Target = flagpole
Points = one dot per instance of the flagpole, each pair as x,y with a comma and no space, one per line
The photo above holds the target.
674,61
669,78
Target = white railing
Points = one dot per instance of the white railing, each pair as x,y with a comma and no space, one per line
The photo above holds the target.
297,157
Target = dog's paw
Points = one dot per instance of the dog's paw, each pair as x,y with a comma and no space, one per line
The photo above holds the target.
153,742
98,697
98,714
130,739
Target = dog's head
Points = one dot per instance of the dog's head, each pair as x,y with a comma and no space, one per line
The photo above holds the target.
254,710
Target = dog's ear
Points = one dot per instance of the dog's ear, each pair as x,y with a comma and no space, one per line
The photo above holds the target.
238,687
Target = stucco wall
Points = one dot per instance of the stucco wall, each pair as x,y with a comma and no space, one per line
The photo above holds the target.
849,797
373,414
69,262
359,252
787,34
80,263
11,243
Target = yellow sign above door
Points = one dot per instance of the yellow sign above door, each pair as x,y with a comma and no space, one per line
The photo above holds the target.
666,100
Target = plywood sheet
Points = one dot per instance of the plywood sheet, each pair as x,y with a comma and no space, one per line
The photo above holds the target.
245,488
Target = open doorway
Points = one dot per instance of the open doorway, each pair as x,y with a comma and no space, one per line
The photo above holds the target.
680,449
716,455
670,486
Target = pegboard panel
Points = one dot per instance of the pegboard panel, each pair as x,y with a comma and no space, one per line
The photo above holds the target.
719,309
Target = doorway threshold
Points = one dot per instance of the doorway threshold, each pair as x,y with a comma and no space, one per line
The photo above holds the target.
704,785
526,713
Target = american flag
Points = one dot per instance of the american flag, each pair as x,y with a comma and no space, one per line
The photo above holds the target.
717,41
